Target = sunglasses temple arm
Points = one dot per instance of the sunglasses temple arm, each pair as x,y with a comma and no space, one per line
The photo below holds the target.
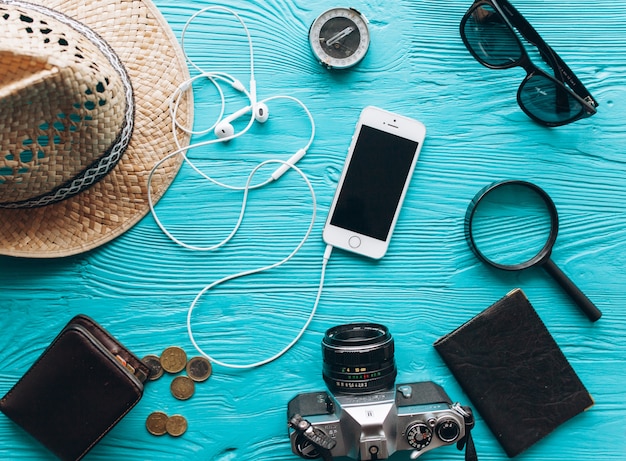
590,310
562,71
564,74
519,22
562,97
574,83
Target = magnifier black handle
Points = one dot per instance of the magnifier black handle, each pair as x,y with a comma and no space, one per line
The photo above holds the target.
590,310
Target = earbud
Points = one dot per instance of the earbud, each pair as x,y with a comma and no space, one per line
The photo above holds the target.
225,129
261,112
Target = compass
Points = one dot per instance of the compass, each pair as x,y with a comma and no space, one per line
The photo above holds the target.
339,37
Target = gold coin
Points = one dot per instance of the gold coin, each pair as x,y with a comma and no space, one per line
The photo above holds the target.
173,359
154,364
176,425
199,369
182,387
156,423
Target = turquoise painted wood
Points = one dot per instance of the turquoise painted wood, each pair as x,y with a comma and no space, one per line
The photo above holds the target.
141,285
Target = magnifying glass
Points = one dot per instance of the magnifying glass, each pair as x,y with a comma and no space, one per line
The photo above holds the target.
512,225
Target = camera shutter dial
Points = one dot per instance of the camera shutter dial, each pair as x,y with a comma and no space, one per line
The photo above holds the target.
419,435
448,430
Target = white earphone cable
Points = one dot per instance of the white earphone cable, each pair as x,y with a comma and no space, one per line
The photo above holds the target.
215,78
193,17
280,353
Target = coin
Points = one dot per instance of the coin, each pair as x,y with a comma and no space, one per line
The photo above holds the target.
182,387
156,423
173,359
176,425
199,369
154,364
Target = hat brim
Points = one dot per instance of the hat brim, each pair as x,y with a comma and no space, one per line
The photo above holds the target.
154,60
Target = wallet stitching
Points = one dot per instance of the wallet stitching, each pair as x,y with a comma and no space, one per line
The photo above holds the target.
93,324
133,379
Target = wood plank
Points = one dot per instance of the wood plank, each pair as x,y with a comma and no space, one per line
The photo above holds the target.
141,285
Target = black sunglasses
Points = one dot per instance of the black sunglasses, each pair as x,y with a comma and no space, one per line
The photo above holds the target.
488,30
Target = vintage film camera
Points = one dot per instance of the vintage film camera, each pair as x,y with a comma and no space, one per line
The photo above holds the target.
363,416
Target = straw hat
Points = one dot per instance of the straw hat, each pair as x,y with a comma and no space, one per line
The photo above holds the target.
84,94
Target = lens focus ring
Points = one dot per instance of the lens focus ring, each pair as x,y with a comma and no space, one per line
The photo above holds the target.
358,358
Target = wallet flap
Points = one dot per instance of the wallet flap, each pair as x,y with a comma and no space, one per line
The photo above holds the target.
514,372
73,394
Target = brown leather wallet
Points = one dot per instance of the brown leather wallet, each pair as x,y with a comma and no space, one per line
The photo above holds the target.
77,390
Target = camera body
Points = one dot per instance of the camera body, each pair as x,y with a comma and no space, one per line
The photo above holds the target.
364,416
414,417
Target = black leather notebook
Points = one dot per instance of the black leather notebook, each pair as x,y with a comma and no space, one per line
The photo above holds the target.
77,390
514,372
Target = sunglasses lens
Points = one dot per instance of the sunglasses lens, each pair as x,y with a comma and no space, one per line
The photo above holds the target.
549,101
489,38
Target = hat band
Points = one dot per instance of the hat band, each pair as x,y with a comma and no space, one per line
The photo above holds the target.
109,159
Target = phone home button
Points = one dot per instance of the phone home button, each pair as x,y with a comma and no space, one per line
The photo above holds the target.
354,242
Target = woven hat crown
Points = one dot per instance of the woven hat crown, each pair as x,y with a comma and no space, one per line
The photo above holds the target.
75,136
66,107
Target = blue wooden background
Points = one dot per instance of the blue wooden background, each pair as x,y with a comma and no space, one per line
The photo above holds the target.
140,286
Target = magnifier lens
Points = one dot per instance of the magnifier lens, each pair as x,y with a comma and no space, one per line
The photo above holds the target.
511,225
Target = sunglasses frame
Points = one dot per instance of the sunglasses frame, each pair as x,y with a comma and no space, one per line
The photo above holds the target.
514,20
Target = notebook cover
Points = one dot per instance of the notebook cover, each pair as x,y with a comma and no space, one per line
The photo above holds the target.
514,372
77,390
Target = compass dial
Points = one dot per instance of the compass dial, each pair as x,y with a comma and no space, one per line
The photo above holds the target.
339,37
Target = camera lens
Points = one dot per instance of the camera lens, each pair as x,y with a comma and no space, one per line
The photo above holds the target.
358,358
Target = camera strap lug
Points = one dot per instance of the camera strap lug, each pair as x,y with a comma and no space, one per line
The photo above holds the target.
467,442
322,442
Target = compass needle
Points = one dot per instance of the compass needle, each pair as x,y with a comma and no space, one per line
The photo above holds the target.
344,33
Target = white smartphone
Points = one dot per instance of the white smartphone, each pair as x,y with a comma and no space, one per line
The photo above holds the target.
378,169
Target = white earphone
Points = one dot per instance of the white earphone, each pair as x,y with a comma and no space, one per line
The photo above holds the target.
224,131
223,128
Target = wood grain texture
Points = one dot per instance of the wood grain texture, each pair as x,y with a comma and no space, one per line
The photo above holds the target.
140,286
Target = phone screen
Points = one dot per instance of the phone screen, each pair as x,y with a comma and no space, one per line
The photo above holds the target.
374,182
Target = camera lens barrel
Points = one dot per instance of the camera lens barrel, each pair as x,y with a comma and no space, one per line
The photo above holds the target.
358,358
